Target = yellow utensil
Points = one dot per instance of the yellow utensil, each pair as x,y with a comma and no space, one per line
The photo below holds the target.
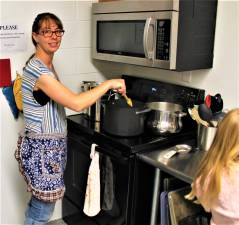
128,100
195,116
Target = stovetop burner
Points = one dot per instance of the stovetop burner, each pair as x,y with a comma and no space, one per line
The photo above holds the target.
144,142
127,145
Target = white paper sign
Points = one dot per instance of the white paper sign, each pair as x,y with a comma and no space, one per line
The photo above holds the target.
12,37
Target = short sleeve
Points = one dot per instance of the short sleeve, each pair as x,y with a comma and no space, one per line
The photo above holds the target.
37,68
34,69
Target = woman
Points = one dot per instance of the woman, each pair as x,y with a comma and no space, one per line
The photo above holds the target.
216,184
41,151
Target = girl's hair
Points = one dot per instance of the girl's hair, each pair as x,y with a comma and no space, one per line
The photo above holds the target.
36,26
222,155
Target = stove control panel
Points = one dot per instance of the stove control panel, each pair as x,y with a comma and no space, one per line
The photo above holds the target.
149,90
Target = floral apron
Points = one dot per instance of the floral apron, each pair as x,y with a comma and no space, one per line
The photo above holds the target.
42,160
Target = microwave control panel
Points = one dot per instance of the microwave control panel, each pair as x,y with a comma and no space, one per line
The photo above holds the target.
163,39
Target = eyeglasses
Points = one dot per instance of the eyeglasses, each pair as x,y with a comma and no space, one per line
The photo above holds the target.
49,33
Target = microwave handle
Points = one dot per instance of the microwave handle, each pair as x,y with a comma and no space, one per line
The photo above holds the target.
149,53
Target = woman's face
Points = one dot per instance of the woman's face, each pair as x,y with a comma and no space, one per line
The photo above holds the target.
48,38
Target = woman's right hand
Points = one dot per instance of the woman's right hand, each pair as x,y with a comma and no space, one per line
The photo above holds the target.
77,102
117,85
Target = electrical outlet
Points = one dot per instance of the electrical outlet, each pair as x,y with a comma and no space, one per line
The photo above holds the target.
187,77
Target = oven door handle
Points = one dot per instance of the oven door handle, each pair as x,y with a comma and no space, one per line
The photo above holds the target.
111,153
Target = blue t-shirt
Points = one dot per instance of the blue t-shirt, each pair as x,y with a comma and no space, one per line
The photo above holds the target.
50,118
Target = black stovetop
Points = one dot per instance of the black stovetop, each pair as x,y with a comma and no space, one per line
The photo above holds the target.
145,90
127,145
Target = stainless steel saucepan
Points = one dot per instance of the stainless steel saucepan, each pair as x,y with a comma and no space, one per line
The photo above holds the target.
165,117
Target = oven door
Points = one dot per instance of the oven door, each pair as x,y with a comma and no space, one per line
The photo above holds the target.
116,173
140,38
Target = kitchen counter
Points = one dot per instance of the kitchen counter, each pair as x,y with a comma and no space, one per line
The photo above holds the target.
182,165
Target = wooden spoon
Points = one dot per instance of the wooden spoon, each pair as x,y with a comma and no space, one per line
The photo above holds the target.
128,100
195,116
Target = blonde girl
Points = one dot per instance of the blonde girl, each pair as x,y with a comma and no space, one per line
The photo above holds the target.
216,184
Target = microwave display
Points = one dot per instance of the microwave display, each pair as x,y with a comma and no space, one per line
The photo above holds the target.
163,39
121,37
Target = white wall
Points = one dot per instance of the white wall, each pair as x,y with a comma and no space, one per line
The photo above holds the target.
73,64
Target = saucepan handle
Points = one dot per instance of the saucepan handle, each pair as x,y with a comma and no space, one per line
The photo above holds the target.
143,111
180,114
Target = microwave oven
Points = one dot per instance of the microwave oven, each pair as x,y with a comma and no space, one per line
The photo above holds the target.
168,34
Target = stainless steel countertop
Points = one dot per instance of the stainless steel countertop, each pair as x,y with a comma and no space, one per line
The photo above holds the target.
182,165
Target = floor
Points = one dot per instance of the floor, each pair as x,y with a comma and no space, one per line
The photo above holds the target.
57,222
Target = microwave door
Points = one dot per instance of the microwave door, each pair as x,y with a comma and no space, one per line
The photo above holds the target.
143,38
120,38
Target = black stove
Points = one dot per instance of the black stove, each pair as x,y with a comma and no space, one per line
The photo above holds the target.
126,146
145,90
142,143
122,152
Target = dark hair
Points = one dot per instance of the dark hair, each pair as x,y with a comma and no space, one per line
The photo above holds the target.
42,18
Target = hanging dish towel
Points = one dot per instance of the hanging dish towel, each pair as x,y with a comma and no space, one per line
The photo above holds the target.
92,195
107,181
